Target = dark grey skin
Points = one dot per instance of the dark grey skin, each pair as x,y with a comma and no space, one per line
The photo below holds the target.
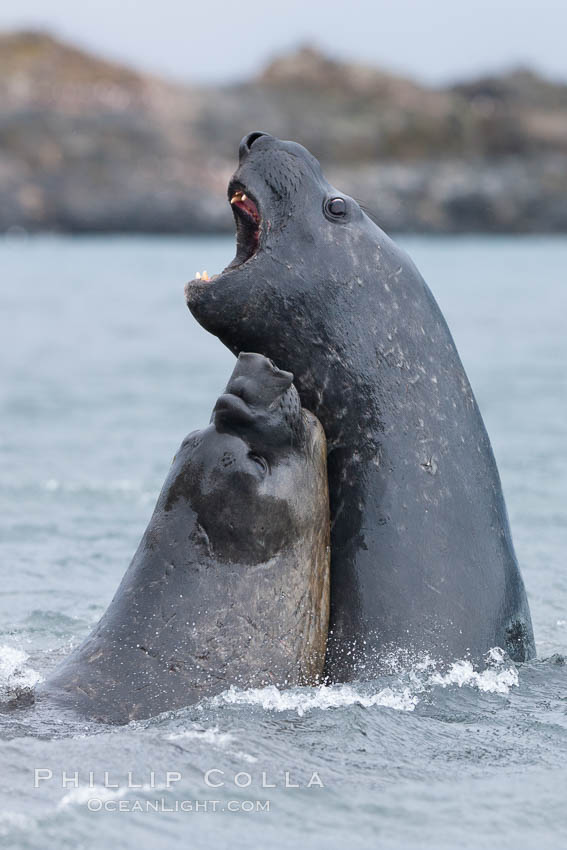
422,557
230,583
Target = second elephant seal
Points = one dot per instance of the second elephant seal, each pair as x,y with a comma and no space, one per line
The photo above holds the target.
230,583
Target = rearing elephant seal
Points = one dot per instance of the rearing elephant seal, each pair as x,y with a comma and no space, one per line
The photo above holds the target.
422,558
230,583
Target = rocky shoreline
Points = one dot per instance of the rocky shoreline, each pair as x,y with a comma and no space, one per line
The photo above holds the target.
89,146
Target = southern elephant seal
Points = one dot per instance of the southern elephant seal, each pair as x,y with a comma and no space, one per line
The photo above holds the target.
230,583
422,557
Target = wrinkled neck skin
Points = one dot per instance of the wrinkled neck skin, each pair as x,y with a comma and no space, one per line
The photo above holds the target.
422,558
229,586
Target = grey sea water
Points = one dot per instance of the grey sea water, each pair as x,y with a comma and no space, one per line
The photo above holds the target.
103,372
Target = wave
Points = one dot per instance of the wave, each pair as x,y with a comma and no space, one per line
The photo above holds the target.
212,737
120,485
83,794
143,491
10,821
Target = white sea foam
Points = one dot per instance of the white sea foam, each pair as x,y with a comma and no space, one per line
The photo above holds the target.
497,678
80,796
14,674
323,697
213,737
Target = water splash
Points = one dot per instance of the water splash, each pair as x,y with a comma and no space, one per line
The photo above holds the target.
322,697
15,676
499,676
419,677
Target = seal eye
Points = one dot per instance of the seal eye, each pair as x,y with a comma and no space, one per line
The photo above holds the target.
336,207
260,463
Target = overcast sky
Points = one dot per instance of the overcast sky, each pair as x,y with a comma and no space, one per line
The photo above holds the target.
211,40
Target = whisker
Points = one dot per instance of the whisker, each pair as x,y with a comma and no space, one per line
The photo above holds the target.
371,213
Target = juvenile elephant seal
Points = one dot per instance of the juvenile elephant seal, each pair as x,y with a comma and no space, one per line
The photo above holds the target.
422,558
230,583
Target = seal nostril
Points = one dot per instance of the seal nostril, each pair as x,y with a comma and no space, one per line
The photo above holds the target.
248,141
251,138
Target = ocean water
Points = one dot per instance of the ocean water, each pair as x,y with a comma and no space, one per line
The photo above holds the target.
103,372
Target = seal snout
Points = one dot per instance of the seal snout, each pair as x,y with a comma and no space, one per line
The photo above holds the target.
256,381
260,398
261,377
248,141
232,407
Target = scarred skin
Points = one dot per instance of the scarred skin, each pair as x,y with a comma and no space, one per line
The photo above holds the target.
230,583
422,557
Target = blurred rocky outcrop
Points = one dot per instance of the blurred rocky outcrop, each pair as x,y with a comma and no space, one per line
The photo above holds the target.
87,145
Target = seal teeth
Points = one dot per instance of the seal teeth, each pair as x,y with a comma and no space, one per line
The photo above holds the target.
202,275
238,196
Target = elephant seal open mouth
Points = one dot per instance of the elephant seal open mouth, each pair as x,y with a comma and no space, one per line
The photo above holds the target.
230,583
422,558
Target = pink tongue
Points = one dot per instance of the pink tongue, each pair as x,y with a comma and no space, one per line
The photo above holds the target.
249,208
